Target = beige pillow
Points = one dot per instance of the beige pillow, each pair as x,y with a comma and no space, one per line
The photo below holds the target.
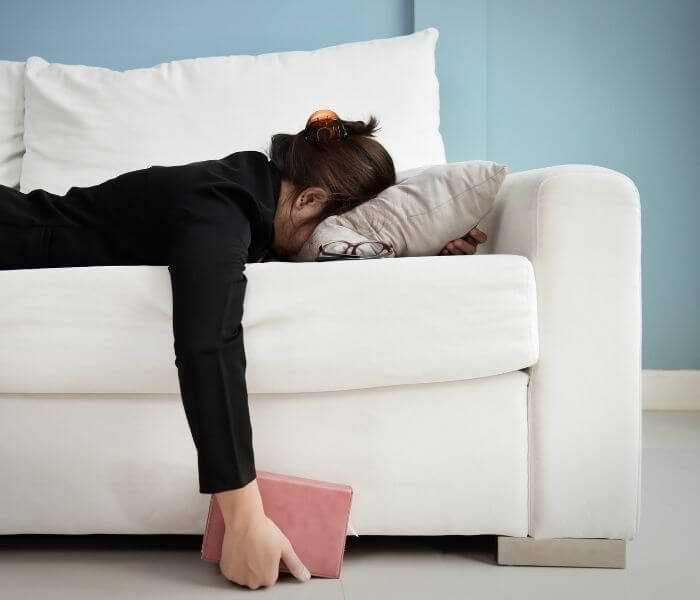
426,208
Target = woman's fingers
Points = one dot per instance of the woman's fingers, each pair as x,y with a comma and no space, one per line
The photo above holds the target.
478,235
461,246
450,248
293,562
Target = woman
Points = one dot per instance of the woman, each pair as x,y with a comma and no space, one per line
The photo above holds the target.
206,220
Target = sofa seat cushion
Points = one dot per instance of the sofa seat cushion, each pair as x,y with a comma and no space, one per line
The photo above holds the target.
307,326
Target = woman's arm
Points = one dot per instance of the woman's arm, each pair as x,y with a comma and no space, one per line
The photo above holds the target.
206,261
207,255
180,217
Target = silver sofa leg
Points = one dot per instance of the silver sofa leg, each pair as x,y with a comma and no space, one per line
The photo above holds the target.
561,552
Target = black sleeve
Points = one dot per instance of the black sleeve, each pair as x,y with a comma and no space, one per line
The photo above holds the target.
206,263
103,224
193,220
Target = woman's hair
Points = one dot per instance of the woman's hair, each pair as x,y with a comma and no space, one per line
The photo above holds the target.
352,170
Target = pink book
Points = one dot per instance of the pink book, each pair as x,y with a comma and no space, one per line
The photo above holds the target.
312,514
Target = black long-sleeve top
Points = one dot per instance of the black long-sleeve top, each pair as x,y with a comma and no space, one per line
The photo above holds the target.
204,220
224,218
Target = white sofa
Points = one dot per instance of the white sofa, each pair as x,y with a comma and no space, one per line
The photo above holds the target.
490,394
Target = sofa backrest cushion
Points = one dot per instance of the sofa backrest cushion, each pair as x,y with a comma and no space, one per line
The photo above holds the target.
11,121
85,124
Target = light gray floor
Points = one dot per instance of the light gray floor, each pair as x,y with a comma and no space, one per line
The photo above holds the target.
663,562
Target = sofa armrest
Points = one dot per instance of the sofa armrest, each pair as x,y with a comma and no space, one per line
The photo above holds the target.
580,227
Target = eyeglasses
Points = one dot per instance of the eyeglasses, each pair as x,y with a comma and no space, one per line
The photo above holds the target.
342,249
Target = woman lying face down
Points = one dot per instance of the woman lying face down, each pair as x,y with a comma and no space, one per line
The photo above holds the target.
329,168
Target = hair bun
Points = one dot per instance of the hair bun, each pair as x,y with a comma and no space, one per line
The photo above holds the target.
324,125
323,114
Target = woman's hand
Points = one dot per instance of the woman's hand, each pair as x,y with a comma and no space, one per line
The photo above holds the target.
253,544
466,244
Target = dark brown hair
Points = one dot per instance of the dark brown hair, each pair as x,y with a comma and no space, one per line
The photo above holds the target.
351,170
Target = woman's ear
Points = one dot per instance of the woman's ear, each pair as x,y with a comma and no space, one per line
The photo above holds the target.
312,195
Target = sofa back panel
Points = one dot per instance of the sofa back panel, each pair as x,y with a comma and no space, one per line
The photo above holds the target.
11,121
87,124
377,323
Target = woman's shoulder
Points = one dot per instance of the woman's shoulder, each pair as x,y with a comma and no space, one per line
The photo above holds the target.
253,155
246,167
250,168
250,160
239,158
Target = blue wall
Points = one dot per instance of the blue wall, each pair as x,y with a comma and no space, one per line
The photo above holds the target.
608,82
123,34
529,84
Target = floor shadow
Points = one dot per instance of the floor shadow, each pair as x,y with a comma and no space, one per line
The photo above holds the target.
100,541
480,548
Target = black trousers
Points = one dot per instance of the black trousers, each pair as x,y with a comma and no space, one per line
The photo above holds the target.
154,216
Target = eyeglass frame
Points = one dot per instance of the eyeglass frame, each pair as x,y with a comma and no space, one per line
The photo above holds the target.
387,249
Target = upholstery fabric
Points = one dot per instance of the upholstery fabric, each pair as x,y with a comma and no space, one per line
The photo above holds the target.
382,322
87,124
11,121
403,371
580,225
114,463
426,208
